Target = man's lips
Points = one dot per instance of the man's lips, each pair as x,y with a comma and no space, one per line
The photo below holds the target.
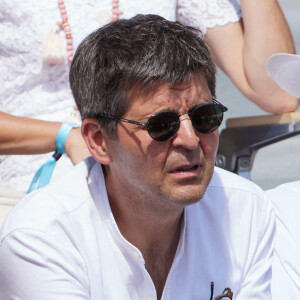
185,169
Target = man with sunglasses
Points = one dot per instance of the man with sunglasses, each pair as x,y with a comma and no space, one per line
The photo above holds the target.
148,216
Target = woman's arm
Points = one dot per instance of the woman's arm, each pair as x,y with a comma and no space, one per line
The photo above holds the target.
20,135
242,49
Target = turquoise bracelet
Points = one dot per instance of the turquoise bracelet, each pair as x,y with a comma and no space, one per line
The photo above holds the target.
44,173
61,137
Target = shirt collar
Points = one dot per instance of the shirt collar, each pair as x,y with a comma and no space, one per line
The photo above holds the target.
96,183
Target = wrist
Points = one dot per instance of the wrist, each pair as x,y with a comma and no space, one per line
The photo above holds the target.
61,137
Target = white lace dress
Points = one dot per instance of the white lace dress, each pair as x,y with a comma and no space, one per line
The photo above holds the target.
29,87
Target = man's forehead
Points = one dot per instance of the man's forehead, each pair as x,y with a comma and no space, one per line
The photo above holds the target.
175,97
157,89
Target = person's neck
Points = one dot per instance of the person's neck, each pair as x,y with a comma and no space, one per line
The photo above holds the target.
155,231
143,225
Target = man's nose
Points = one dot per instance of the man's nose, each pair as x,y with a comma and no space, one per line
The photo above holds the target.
186,135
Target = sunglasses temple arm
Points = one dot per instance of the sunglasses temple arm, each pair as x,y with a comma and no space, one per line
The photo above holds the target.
122,120
223,107
130,121
211,290
226,294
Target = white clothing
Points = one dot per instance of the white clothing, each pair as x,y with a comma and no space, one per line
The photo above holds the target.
62,242
8,199
35,89
286,266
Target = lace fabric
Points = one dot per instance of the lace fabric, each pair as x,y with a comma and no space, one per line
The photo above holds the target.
205,14
32,88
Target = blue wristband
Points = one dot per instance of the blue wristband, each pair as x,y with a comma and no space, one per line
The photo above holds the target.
62,135
44,173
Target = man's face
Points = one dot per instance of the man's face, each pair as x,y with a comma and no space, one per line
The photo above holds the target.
175,172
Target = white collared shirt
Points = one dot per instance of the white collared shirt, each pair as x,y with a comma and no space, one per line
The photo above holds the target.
286,265
62,242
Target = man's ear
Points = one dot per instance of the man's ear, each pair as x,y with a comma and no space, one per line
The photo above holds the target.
95,139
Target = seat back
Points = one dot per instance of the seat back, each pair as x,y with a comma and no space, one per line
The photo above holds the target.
243,137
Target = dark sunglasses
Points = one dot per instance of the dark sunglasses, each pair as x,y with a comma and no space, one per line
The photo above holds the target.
164,125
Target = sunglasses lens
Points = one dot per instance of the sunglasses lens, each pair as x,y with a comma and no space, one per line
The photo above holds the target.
207,118
163,126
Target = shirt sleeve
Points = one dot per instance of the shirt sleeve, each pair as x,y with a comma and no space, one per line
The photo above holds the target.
256,283
204,14
47,270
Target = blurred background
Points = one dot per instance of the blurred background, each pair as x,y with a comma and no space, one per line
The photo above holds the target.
280,162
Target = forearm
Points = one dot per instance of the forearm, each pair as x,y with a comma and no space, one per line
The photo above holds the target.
266,32
265,28
241,50
19,135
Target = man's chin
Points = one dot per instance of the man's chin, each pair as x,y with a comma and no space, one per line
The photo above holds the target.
187,195
187,192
